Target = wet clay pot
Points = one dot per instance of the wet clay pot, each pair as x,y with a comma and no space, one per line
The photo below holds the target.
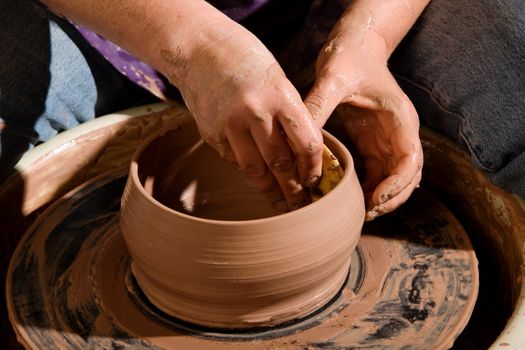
207,248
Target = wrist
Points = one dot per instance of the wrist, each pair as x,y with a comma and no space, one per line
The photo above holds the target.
175,49
381,25
198,51
358,39
162,33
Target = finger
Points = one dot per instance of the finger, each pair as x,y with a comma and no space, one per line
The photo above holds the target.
254,167
279,159
322,99
401,176
394,202
225,151
397,151
304,138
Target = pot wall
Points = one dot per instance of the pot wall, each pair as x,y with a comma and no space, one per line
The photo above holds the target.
233,273
108,142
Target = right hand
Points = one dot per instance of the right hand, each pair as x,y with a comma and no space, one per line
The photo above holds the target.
248,111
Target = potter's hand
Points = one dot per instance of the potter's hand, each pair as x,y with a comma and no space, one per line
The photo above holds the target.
251,114
378,116
243,103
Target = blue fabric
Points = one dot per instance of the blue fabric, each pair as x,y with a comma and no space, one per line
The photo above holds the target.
50,80
463,66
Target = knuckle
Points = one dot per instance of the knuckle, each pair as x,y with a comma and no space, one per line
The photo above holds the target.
249,103
286,89
315,146
315,102
336,79
254,170
293,122
262,117
281,163
310,151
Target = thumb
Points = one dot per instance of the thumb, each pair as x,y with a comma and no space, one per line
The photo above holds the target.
321,101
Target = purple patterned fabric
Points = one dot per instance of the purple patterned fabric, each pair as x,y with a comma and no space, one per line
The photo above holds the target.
143,74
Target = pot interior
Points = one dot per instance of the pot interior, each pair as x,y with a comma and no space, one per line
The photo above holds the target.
191,178
182,172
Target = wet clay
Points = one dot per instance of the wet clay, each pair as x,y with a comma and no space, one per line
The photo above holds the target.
412,284
489,215
209,249
194,180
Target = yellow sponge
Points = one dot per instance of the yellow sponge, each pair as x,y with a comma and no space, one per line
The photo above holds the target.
331,176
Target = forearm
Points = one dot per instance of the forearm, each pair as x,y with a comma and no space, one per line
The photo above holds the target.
384,23
164,33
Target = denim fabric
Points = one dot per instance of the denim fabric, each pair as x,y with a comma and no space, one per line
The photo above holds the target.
463,66
50,80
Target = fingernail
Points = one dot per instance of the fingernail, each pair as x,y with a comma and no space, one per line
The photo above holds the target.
280,206
311,181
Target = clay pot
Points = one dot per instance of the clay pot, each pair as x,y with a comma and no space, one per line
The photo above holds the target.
208,249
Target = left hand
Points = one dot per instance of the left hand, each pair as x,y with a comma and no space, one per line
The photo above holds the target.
383,124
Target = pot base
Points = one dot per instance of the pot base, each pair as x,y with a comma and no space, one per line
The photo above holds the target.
413,283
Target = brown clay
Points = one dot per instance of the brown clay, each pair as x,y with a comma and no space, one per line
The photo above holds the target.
209,249
412,284
94,285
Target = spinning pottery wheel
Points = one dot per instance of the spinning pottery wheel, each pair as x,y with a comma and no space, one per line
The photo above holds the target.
413,284
413,281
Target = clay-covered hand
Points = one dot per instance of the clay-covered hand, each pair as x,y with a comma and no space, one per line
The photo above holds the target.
243,103
352,74
246,109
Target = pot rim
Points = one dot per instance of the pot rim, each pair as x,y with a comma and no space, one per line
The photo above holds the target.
347,177
512,333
